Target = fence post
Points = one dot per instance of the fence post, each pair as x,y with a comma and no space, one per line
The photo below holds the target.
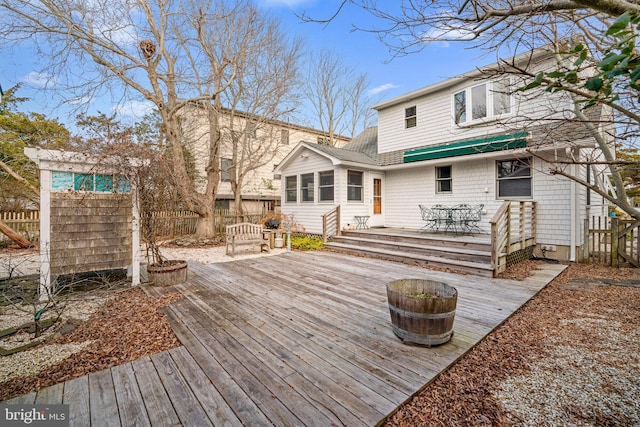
614,242
585,241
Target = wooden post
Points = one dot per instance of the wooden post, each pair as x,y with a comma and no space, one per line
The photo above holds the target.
324,228
522,219
585,241
614,242
534,223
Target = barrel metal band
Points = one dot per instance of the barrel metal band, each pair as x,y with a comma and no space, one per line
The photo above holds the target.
422,315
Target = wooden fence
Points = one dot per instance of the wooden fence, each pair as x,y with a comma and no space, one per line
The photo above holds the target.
168,225
172,224
620,250
26,223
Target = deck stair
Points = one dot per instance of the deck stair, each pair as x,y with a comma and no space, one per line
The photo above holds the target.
465,254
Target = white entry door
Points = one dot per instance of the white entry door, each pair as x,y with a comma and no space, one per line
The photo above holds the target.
377,200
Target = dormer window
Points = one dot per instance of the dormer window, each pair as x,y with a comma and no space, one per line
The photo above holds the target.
481,102
410,118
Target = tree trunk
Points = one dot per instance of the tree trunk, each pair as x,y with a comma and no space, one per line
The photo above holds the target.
206,226
14,235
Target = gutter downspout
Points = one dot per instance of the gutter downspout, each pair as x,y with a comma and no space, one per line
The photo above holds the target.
574,214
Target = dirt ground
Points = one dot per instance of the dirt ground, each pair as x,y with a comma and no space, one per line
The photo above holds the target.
570,356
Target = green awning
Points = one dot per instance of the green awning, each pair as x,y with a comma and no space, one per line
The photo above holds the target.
465,148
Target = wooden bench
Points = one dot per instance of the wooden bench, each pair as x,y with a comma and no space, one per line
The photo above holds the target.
245,233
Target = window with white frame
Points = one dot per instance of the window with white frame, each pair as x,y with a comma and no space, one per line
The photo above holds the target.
514,178
355,187
325,186
225,169
306,187
410,117
482,102
443,179
291,189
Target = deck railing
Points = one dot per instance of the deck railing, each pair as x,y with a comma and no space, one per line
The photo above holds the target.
513,230
331,224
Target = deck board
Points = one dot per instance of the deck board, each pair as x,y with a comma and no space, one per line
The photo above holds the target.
130,404
102,399
292,339
76,395
156,401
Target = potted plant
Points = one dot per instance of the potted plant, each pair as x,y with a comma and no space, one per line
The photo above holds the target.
155,195
422,311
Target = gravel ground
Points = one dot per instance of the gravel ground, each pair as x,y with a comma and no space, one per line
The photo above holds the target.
570,356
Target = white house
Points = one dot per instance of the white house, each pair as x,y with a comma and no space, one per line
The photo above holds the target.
260,144
473,140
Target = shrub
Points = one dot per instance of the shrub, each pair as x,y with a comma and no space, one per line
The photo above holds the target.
305,243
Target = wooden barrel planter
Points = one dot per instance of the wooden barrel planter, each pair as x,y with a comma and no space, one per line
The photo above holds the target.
168,273
422,311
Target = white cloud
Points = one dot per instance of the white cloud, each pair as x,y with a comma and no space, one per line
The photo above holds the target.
121,36
39,79
382,88
135,109
444,36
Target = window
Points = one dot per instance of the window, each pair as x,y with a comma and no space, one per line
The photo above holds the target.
443,179
223,204
251,130
354,186
501,98
460,107
89,182
225,170
83,182
410,118
514,178
291,188
480,102
325,186
306,187
103,183
284,136
323,140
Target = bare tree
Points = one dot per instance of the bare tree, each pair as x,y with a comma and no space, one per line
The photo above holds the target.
604,99
262,94
337,95
169,53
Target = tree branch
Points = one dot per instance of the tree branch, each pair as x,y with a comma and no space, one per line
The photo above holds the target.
18,178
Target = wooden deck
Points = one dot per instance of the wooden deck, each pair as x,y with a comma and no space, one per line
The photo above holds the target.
292,339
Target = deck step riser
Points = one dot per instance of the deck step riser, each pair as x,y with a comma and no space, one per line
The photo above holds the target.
422,240
444,263
434,251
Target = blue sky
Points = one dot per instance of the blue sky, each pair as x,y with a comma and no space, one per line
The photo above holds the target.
362,51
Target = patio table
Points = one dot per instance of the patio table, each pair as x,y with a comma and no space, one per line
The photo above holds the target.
461,218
